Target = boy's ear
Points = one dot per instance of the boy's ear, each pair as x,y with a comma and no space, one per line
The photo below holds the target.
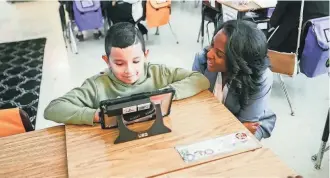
105,59
146,53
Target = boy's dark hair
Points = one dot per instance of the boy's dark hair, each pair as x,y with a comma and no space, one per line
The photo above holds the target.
122,35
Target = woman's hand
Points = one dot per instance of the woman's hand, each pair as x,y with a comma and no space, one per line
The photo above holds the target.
252,126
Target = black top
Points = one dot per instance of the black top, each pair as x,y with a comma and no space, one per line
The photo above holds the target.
286,15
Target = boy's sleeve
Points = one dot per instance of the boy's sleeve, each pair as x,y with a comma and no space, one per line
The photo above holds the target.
76,107
186,83
200,65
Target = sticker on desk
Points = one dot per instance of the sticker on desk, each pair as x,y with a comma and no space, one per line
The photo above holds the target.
239,141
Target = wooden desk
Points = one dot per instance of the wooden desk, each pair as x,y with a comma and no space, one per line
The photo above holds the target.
259,163
250,6
91,152
34,154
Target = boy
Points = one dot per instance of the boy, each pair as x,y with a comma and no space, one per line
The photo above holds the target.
129,73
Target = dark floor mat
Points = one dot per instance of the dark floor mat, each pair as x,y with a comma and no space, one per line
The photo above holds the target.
20,75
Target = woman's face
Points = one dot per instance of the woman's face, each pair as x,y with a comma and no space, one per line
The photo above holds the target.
216,58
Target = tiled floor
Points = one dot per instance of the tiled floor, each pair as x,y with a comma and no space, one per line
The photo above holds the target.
295,138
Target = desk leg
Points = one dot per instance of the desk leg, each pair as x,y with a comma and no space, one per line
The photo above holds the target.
319,156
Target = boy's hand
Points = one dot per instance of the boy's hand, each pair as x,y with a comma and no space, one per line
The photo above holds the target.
252,126
96,116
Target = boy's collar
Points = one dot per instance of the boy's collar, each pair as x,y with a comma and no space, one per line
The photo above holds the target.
139,81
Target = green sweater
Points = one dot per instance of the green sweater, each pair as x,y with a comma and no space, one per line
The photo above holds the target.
79,105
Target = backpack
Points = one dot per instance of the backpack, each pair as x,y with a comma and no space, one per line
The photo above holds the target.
87,14
314,59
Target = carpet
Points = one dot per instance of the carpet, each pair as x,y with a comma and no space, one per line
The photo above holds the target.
20,75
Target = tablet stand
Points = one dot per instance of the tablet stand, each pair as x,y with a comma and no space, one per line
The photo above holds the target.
157,128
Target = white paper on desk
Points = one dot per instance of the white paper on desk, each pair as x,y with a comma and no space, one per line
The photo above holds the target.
265,3
228,13
239,141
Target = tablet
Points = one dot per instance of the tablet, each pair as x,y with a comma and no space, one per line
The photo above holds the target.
135,108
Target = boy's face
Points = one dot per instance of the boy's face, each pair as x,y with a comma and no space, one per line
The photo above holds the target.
127,64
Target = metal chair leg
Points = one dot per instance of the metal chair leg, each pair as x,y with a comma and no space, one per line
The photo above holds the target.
286,93
157,31
325,136
202,42
199,33
176,39
207,32
202,27
63,22
319,156
106,25
196,3
72,39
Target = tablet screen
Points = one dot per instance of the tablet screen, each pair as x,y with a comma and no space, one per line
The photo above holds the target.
135,108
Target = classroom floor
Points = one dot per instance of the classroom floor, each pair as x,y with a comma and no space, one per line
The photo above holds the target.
295,138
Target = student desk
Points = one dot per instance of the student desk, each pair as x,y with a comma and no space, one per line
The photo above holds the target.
34,154
242,9
259,163
91,152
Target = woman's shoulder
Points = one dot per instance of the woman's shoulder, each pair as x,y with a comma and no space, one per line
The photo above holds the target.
266,77
265,84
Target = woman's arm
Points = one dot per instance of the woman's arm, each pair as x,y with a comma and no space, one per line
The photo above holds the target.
185,82
257,109
200,62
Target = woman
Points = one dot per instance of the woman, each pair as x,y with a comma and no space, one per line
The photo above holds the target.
239,53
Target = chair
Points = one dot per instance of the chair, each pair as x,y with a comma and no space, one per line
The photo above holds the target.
68,22
210,15
283,63
317,158
14,121
158,14
287,63
279,60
